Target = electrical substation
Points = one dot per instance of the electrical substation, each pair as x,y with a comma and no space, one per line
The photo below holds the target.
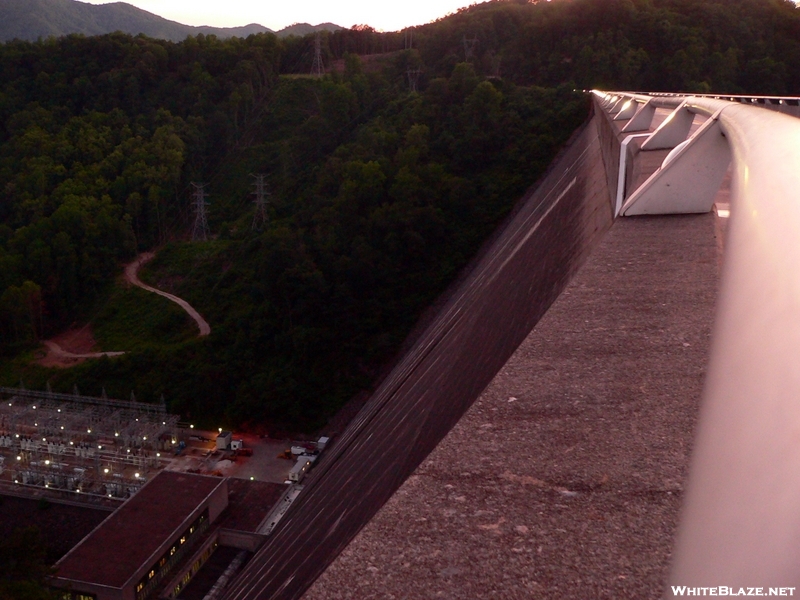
81,444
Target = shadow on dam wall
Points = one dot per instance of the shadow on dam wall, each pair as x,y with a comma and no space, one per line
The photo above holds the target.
486,318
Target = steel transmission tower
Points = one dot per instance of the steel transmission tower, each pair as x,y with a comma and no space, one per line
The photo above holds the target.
260,218
408,39
469,46
413,77
317,68
200,229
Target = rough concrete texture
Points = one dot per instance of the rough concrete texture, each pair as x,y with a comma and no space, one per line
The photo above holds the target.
565,479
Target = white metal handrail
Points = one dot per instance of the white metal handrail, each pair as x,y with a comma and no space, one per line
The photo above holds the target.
740,524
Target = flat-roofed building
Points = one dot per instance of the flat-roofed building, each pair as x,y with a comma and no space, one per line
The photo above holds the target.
129,554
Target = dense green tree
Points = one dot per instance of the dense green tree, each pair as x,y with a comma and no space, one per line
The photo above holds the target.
23,567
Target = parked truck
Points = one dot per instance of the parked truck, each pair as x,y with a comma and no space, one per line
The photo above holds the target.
299,469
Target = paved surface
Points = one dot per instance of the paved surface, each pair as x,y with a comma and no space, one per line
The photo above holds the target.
476,332
131,274
263,465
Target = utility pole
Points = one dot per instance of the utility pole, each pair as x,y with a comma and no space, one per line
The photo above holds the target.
408,40
260,218
469,45
200,229
317,68
413,77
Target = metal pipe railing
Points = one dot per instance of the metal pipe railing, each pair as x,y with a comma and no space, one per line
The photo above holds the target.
740,524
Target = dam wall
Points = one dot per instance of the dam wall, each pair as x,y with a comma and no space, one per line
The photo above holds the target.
491,313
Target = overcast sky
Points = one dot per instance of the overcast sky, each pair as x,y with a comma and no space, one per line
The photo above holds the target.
277,14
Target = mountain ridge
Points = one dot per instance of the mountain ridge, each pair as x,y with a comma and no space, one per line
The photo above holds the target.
30,20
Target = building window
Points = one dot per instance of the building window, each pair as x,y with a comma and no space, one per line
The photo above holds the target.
139,587
151,574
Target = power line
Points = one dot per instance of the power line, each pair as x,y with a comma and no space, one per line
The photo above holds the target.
408,40
469,46
413,77
317,68
260,218
200,229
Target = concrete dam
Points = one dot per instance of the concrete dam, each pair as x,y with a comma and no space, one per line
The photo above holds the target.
492,311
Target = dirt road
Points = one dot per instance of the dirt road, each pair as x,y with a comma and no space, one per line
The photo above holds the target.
57,350
131,274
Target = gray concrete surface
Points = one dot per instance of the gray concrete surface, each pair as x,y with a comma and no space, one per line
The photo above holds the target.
564,480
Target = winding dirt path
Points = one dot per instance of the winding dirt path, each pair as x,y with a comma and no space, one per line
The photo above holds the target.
70,348
131,274
58,351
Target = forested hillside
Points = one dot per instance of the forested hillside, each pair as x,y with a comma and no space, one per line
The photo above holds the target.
379,195
34,19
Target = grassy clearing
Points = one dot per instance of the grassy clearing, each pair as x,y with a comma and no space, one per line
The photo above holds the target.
181,260
131,319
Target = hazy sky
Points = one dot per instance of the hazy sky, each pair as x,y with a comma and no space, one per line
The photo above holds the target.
277,14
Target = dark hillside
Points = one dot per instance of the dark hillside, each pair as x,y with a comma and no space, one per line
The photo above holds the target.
32,19
378,197
35,19
748,46
378,194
